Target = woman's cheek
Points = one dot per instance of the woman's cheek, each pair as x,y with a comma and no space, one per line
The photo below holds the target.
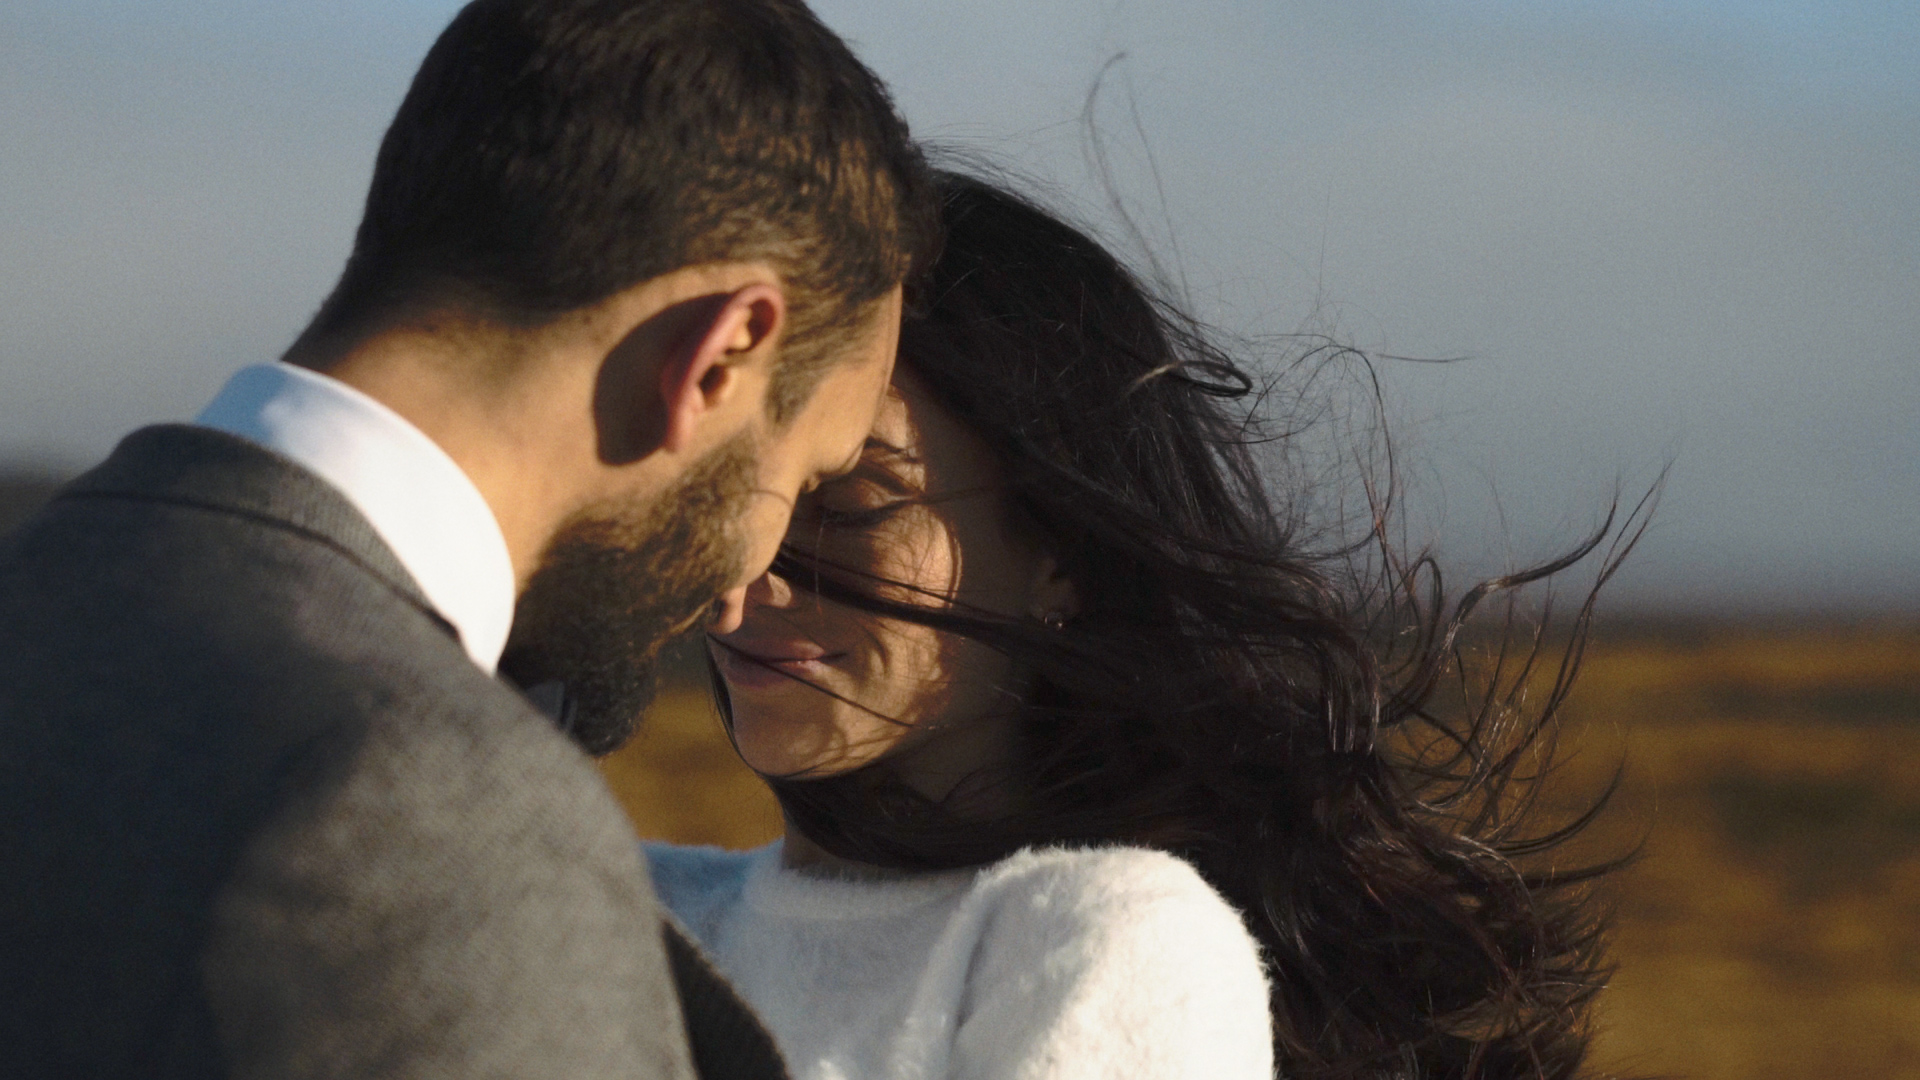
916,550
883,670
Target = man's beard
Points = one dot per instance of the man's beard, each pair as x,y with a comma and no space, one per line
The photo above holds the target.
620,582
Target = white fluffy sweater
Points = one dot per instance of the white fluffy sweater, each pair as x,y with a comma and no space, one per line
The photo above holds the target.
1115,963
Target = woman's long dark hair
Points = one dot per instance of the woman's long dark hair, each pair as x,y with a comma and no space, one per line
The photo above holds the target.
1302,721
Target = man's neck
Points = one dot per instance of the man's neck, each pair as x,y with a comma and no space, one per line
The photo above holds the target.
507,420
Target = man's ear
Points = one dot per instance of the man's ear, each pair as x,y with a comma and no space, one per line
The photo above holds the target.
722,359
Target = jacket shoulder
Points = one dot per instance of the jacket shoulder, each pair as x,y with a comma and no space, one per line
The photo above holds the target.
185,466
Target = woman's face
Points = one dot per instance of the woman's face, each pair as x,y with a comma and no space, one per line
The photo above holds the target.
820,688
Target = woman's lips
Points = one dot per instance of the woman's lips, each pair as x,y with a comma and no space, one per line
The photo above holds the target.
767,666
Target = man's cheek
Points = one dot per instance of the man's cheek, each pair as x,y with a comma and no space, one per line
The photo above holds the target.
763,527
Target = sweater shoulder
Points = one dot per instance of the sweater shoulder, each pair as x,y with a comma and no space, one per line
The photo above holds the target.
1109,905
1112,961
1098,882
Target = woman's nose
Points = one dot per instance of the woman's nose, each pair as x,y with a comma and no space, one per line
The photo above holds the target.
730,611
769,590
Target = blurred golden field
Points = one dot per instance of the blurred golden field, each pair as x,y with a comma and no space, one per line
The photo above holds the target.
1770,929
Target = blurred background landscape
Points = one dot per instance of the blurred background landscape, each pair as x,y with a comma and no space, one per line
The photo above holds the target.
1681,233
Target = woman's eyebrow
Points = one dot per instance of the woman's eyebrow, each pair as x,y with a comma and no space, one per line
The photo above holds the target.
883,463
881,448
873,450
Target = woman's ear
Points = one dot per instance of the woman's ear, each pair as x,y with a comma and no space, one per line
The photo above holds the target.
729,354
1051,596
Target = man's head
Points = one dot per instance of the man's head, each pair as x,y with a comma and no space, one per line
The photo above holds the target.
551,153
629,262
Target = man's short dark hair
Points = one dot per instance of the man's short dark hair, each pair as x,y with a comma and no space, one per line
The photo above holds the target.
553,152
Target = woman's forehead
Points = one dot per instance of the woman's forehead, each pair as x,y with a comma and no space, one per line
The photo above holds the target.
895,428
914,433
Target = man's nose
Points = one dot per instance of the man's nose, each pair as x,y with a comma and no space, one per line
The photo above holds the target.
728,611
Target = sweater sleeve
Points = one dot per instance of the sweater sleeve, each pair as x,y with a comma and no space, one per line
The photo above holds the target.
1118,964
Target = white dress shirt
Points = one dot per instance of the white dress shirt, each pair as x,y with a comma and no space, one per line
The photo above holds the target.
417,498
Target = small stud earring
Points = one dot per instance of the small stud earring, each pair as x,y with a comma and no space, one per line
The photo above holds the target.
1053,620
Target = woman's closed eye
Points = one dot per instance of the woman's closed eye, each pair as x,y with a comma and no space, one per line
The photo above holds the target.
863,499
856,518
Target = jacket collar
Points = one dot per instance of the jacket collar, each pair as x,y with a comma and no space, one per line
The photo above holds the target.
196,466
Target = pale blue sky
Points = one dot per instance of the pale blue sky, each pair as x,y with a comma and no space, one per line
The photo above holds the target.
1661,230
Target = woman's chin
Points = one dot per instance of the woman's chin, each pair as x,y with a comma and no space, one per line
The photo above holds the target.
783,764
785,749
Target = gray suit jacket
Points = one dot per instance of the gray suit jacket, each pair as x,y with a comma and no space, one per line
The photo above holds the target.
261,816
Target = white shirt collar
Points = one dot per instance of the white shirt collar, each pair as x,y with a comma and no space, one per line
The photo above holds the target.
416,497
